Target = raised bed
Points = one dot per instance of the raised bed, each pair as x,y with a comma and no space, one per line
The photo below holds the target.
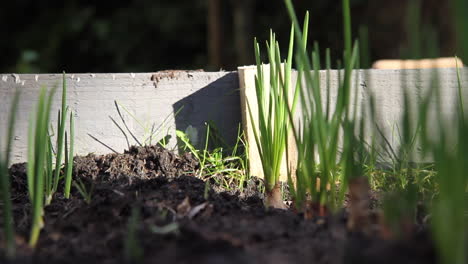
152,195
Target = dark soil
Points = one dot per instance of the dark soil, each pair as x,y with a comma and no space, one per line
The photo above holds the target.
181,219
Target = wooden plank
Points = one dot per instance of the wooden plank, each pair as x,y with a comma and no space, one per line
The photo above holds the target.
149,98
386,86
418,64
204,96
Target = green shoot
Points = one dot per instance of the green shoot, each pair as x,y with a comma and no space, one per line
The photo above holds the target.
459,8
206,191
243,157
125,123
85,193
52,174
38,154
399,205
8,220
188,145
69,158
364,48
133,251
400,208
42,179
299,187
411,181
60,137
150,131
460,95
48,170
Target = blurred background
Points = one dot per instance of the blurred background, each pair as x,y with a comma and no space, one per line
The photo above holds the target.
152,35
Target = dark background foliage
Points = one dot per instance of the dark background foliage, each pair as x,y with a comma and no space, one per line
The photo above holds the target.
151,35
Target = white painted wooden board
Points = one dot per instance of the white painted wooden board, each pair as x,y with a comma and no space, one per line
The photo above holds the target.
205,96
151,98
387,87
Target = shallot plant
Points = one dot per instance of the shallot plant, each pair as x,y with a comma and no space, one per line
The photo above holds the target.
273,121
449,210
317,134
8,226
442,139
61,122
69,157
42,178
39,157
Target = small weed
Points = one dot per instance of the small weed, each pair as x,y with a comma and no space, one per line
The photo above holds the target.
227,171
86,193
150,131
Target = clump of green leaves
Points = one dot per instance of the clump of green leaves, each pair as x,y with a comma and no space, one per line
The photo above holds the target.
8,226
442,185
272,125
38,155
319,167
400,203
450,208
42,178
61,121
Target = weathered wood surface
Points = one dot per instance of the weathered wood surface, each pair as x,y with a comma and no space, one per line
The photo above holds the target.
447,62
385,86
152,99
149,98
